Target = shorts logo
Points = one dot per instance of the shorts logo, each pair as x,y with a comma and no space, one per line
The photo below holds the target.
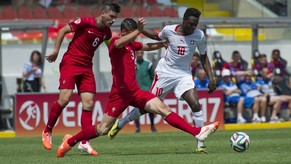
113,109
192,42
78,21
64,81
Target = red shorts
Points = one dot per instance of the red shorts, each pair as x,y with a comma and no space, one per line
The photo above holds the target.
118,102
81,76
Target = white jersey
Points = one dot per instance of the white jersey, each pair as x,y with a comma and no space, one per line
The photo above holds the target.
173,70
178,56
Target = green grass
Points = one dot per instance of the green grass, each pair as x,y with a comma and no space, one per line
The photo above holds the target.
267,146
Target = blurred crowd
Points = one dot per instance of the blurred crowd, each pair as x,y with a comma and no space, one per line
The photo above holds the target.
264,90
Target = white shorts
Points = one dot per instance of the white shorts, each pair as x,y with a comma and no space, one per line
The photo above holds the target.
163,85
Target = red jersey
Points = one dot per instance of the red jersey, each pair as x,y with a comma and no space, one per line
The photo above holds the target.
87,38
123,65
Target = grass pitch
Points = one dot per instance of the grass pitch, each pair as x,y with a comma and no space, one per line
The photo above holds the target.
267,146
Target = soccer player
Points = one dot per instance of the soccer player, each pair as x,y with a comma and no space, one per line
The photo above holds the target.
76,68
125,90
173,73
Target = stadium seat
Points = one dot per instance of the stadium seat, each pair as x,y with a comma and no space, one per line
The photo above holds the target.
83,12
9,13
156,11
142,12
70,12
39,13
127,12
95,12
25,13
54,13
170,12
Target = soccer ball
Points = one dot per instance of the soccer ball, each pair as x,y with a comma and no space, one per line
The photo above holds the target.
240,141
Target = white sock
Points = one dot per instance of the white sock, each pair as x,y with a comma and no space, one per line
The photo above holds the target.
134,114
255,115
239,115
199,122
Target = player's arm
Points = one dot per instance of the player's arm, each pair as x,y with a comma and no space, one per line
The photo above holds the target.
60,37
154,46
129,37
207,67
151,34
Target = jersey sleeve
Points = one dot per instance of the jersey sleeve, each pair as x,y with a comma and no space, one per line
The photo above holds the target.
162,34
78,23
137,46
111,44
202,45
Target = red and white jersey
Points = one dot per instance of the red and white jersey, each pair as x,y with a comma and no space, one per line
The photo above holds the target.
87,38
178,56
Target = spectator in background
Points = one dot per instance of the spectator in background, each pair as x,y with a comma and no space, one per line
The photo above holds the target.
33,73
232,95
278,63
202,80
250,89
195,64
236,67
145,76
265,84
262,63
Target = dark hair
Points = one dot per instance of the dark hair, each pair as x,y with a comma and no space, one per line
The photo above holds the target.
129,24
235,52
276,50
111,6
191,12
39,62
196,54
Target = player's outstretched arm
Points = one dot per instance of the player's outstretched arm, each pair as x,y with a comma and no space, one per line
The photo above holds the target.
129,37
151,34
154,46
60,37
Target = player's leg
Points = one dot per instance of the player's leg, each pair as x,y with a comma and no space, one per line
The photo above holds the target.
152,117
155,105
89,133
55,112
192,99
66,86
137,124
86,120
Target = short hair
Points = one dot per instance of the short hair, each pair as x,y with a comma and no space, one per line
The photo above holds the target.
276,50
235,52
129,24
196,54
111,6
191,12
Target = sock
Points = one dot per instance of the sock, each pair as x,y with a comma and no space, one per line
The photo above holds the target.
55,112
134,114
86,120
255,115
178,122
199,122
86,134
239,115
152,116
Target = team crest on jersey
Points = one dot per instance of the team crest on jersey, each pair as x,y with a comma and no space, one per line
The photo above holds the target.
192,42
78,21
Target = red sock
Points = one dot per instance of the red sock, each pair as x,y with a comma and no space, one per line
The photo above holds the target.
178,122
86,120
86,134
55,112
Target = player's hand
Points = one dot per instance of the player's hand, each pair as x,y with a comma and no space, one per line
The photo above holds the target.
211,86
166,44
52,57
140,24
